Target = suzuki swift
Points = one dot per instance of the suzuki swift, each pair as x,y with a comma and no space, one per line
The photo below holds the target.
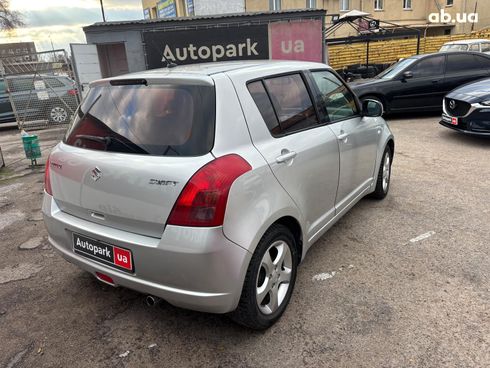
206,185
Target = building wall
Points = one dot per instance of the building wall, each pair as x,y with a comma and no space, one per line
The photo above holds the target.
264,5
201,7
132,43
392,11
152,5
209,7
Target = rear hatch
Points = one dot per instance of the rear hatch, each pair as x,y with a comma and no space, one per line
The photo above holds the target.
131,149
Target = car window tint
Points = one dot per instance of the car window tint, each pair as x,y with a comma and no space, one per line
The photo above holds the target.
263,102
484,61
428,67
464,63
337,101
485,47
475,47
170,119
291,102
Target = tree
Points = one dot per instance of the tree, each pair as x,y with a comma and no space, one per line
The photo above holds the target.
9,19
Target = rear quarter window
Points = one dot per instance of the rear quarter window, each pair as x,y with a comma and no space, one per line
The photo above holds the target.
464,63
160,120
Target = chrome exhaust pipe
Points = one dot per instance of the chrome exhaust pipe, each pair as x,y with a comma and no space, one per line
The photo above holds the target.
152,301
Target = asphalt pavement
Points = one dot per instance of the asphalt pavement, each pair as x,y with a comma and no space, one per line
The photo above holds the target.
404,282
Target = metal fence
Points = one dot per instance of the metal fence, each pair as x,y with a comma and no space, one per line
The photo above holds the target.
40,88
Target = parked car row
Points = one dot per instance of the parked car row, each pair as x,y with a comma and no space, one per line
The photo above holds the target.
425,82
41,97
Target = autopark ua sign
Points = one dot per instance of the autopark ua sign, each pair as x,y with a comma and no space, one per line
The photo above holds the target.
203,45
279,41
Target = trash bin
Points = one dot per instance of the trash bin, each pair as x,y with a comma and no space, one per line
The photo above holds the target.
32,148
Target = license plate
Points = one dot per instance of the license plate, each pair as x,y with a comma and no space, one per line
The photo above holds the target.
107,254
449,119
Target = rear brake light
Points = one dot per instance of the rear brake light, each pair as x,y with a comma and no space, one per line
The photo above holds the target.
203,199
47,178
72,92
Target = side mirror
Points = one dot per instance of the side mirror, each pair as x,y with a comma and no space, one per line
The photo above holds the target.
407,75
372,108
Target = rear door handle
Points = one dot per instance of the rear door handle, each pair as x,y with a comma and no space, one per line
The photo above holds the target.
435,81
286,156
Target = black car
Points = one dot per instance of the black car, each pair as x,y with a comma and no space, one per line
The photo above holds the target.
467,108
419,83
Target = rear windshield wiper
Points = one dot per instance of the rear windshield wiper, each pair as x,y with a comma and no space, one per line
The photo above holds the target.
107,140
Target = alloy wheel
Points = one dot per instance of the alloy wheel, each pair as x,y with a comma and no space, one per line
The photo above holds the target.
274,276
58,114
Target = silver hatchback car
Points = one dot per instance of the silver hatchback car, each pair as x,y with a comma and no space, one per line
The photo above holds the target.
206,185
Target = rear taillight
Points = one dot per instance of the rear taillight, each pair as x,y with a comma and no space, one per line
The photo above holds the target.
203,199
72,92
47,178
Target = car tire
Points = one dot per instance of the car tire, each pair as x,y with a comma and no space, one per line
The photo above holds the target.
266,294
384,175
364,98
58,114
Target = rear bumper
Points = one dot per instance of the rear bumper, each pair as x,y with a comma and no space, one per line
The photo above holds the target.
194,268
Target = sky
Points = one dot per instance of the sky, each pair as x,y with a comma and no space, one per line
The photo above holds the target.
61,21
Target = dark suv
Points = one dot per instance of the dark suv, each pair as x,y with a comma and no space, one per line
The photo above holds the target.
51,98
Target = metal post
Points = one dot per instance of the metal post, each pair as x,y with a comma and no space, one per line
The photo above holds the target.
102,8
418,43
324,50
367,54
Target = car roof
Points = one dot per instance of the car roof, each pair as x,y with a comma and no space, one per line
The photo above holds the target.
421,56
467,42
208,69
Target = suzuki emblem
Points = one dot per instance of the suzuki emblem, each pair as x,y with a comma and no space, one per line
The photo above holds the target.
96,174
452,104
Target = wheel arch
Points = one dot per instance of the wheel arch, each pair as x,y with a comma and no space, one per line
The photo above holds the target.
293,225
391,144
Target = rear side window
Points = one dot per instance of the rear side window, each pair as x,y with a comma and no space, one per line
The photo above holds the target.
429,67
485,47
465,63
475,47
160,120
263,102
19,85
291,102
287,98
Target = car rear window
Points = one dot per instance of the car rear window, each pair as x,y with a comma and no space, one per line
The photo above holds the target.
159,120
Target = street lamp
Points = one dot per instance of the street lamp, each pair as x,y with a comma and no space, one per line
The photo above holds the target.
102,8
